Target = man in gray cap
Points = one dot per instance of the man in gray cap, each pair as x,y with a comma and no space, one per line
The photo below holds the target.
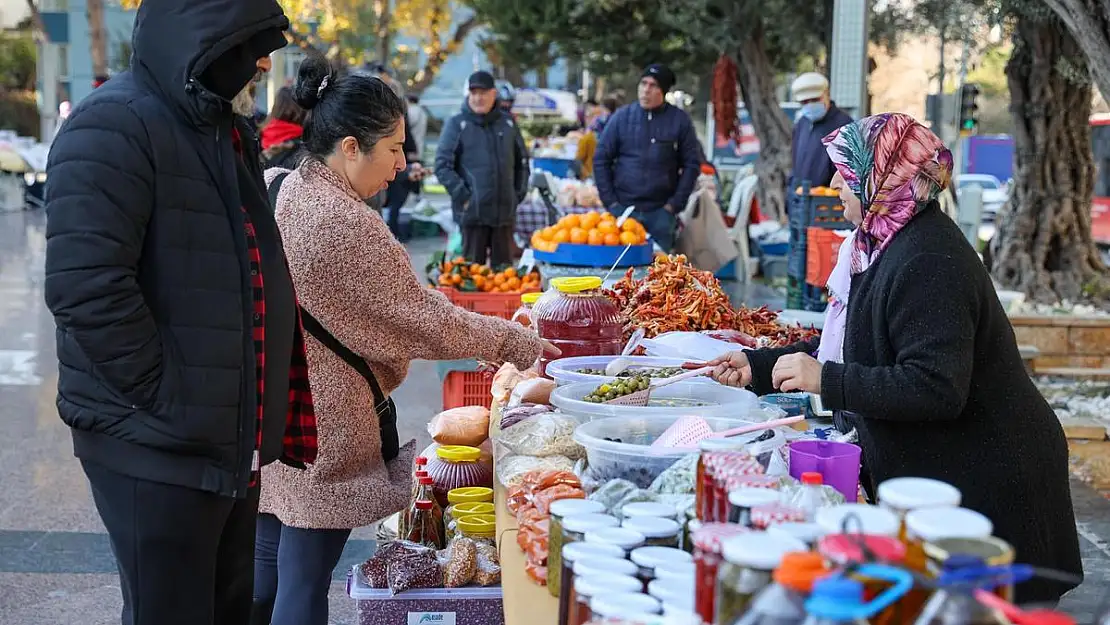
649,157
820,116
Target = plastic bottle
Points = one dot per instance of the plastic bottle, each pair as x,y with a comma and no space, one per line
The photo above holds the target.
810,497
523,315
783,602
424,494
835,601
425,529
953,603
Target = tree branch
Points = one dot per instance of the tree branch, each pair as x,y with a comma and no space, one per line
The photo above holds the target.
36,19
440,51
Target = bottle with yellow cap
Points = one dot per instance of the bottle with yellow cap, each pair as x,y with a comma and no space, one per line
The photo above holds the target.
579,319
523,315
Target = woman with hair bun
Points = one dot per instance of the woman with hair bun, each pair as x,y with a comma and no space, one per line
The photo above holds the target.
367,316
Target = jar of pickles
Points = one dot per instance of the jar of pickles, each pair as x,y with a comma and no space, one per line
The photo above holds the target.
570,554
650,558
808,533
929,525
902,495
649,509
742,500
658,532
560,510
993,551
750,560
457,466
623,538
678,571
589,566
579,319
708,542
587,587
627,606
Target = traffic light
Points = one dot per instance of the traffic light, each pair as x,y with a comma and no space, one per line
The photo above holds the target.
969,108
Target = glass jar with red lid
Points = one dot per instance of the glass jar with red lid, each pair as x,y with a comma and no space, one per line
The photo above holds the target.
708,545
579,319
457,466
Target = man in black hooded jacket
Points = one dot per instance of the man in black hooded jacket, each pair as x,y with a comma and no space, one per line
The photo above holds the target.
181,359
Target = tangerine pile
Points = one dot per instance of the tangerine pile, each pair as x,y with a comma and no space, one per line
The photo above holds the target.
819,191
592,228
472,277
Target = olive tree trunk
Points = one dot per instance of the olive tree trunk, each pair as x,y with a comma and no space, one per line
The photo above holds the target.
1044,246
1089,23
98,37
756,77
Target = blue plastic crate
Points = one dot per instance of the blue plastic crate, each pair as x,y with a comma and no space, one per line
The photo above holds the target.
796,263
597,255
775,249
814,298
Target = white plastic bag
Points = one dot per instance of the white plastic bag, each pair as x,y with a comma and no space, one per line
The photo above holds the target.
688,345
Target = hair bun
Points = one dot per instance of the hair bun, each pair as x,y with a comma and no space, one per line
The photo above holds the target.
313,79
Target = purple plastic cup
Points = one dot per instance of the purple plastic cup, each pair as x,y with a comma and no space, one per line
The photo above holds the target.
838,464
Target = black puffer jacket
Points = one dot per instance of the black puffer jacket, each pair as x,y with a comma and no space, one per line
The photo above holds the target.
146,263
482,162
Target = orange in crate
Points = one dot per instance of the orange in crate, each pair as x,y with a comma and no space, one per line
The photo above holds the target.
467,388
822,248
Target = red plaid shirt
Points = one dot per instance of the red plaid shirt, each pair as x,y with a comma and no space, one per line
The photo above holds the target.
299,441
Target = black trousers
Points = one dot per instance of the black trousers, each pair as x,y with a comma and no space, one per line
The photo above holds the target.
396,194
292,572
483,244
185,556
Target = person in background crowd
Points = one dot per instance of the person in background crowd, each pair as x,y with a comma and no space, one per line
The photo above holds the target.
819,117
399,188
362,304
417,123
587,145
649,157
918,356
506,97
180,374
281,132
609,105
482,162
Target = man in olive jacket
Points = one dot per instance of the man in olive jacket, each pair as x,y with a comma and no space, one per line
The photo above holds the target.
179,348
482,161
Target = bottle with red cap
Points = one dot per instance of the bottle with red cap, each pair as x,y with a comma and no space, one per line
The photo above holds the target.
811,496
424,493
425,529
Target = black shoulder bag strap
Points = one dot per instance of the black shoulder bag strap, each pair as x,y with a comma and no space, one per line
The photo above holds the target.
383,405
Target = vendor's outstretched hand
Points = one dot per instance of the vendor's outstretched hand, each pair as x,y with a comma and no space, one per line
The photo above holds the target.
732,369
797,372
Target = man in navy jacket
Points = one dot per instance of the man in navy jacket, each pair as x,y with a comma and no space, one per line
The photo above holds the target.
649,157
820,116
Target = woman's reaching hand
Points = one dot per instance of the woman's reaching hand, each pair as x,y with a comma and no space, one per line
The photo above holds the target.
797,372
732,369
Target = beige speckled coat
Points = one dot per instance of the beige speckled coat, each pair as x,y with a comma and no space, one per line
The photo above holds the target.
357,280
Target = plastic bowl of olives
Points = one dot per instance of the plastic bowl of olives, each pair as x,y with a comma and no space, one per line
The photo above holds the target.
592,369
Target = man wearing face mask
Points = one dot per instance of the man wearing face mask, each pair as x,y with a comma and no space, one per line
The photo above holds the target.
820,116
182,367
482,161
649,157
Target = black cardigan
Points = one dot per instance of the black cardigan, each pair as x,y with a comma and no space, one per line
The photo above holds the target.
934,384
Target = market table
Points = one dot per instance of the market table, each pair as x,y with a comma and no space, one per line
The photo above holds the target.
525,602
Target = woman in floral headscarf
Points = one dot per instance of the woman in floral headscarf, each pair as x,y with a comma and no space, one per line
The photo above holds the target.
918,356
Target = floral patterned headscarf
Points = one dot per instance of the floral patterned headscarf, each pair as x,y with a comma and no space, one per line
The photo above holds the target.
895,166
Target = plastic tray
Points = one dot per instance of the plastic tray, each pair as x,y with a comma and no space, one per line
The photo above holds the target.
634,458
601,256
724,401
460,606
565,370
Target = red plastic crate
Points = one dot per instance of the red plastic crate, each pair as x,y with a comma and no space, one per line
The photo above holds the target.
502,305
822,248
467,388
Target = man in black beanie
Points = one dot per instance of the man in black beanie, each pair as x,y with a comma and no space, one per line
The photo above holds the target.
649,157
181,360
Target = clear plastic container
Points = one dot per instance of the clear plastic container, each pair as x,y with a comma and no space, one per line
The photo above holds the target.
456,466
633,458
523,315
810,497
686,398
581,368
457,511
478,527
578,319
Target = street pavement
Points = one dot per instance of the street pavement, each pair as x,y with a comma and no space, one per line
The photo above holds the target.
56,567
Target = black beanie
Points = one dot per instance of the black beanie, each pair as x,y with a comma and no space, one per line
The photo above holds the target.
231,71
662,75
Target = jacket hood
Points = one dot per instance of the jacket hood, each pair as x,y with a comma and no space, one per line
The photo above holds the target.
174,42
486,119
279,131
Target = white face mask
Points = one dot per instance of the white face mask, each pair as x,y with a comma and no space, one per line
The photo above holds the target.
814,111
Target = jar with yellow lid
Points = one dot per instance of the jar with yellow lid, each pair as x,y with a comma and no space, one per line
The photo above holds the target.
523,315
462,510
457,466
579,319
478,527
